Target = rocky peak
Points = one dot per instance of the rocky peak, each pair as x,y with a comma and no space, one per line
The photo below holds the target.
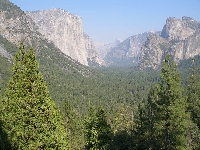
180,38
117,42
14,24
127,52
152,51
103,48
191,23
176,29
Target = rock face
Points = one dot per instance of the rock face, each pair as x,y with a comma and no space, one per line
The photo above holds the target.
176,29
94,59
65,30
127,52
180,38
151,52
103,48
15,26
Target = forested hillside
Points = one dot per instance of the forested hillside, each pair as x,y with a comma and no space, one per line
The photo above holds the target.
50,101
124,108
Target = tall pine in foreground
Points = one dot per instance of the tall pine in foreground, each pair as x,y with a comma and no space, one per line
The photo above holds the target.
193,99
193,93
167,119
173,120
29,116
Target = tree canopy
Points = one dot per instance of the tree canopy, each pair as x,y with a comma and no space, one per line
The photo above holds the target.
29,117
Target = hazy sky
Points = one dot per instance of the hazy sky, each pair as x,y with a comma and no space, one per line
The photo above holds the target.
107,20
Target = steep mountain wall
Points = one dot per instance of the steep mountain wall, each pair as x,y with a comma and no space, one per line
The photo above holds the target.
127,52
65,30
180,38
15,26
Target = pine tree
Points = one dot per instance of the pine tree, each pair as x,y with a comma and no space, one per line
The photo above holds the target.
172,120
166,118
98,132
193,99
193,93
90,128
103,129
146,133
123,126
29,117
74,126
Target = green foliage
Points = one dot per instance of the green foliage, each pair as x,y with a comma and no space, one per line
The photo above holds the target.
147,134
29,117
172,120
193,99
98,132
74,127
167,120
193,93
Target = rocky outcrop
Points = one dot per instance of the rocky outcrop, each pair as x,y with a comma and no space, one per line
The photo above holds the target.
152,51
103,48
127,52
15,25
180,38
65,30
176,29
94,58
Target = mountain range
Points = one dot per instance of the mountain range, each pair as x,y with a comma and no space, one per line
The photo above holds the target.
58,37
127,52
179,38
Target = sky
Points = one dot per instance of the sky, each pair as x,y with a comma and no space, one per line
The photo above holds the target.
107,20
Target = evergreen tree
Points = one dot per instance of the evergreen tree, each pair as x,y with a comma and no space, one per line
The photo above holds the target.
151,139
193,99
166,118
172,120
103,130
193,93
123,126
90,132
29,117
74,127
98,132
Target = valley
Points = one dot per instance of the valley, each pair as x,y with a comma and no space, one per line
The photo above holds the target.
119,95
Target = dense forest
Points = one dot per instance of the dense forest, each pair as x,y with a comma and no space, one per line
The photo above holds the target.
112,108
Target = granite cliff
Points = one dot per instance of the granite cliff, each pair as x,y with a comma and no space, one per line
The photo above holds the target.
103,48
15,26
180,38
65,30
127,53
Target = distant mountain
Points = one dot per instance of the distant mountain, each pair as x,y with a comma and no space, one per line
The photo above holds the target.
65,30
180,38
127,53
